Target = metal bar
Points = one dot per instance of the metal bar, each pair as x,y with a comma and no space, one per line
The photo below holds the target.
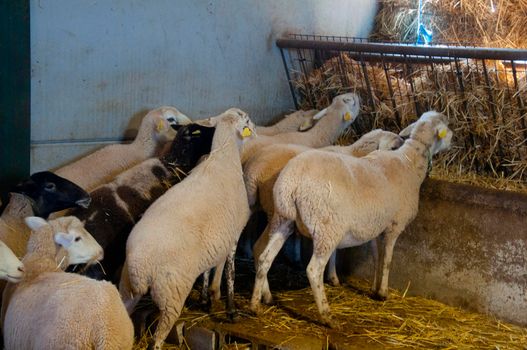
519,97
289,80
390,89
417,50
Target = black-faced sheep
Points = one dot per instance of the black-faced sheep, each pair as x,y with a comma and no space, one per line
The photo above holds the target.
340,201
118,205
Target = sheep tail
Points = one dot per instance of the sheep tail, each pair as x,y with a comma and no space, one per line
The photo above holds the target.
285,198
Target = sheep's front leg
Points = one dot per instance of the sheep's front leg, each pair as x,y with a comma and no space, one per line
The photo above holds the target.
390,238
315,273
231,309
280,229
377,253
332,276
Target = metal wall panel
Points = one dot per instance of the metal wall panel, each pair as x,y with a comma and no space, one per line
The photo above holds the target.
98,64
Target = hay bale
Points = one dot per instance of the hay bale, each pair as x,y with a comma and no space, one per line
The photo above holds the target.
453,21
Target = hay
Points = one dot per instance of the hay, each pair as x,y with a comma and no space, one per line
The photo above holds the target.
401,321
487,116
453,21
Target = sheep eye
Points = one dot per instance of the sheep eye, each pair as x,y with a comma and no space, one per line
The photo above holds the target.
77,239
50,186
394,148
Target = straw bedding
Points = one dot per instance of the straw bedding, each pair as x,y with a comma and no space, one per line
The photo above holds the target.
487,117
400,322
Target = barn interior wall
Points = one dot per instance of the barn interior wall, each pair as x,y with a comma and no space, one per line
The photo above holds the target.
97,66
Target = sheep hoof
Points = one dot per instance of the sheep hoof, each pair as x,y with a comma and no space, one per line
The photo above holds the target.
256,309
379,297
268,299
334,282
329,322
233,315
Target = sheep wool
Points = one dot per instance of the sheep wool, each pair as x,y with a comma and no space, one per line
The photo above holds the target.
346,201
52,309
193,227
104,164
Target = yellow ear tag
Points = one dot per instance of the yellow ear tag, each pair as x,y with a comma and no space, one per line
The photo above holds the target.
442,133
347,116
246,132
196,132
160,126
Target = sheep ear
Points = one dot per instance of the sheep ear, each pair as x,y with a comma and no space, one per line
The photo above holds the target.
320,114
246,132
35,223
209,122
306,124
63,239
405,133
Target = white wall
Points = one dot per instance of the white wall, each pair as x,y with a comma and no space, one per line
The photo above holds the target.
96,65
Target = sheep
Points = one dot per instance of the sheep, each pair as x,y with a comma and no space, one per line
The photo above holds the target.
41,194
104,164
118,205
341,201
343,111
296,121
261,172
52,309
173,244
11,269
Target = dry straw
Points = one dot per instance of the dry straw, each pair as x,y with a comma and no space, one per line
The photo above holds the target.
401,321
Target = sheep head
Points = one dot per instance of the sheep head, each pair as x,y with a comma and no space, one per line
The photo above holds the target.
432,130
49,192
69,233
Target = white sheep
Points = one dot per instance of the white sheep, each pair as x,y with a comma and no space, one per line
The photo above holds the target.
262,170
193,227
298,120
343,111
51,309
11,269
341,201
104,164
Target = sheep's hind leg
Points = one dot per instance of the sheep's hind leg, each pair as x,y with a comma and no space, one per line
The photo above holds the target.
390,238
258,248
332,276
125,290
277,238
215,287
375,245
315,273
